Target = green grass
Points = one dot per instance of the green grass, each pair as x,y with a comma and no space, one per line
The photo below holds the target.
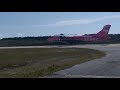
35,62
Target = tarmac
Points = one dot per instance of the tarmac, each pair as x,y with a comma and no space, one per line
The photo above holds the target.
105,67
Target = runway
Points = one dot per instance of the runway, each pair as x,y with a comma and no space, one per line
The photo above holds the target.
105,67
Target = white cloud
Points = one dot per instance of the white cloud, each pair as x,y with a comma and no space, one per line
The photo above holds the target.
66,22
80,21
19,34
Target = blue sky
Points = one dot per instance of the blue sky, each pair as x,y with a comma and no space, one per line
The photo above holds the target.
15,24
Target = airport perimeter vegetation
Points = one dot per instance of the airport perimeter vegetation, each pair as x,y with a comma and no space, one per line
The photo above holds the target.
42,40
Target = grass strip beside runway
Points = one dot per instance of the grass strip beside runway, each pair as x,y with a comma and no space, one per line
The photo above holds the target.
35,62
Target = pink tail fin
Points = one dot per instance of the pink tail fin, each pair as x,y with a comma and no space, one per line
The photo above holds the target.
104,31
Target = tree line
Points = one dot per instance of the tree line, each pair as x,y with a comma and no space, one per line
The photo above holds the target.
42,40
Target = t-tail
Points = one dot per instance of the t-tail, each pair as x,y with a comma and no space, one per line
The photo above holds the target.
104,32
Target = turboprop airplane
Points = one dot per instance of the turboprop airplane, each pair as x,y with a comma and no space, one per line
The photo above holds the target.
100,36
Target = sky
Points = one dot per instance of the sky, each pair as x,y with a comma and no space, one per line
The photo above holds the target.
22,24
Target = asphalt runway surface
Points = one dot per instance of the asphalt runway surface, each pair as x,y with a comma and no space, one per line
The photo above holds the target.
105,67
